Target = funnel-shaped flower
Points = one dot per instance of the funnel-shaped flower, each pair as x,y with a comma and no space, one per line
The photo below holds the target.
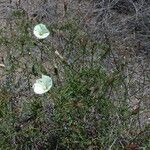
42,85
40,31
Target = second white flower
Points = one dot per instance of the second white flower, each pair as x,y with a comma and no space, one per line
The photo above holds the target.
42,85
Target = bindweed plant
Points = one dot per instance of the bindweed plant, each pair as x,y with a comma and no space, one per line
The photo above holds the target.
42,85
40,31
81,101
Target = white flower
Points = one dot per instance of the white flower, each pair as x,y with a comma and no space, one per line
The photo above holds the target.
42,85
40,31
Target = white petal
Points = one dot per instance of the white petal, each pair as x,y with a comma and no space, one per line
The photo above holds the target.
42,85
40,31
38,88
47,81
